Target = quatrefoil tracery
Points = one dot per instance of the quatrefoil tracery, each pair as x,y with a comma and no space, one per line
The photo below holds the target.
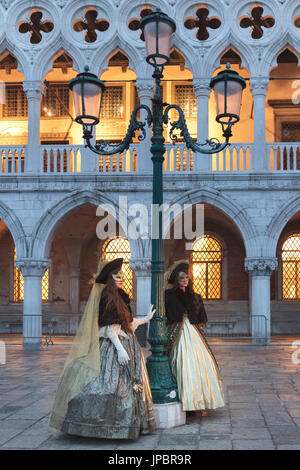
36,26
91,25
256,21
297,21
135,23
202,22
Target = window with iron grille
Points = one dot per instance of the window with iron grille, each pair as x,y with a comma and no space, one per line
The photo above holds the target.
19,284
207,267
185,98
290,256
56,100
137,100
112,103
290,131
15,101
119,248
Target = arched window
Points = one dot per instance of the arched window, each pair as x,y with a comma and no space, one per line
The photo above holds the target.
290,256
119,247
207,267
19,284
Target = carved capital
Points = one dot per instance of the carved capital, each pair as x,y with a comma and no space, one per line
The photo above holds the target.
145,88
33,267
141,266
260,266
5,3
34,89
259,85
201,87
74,272
61,3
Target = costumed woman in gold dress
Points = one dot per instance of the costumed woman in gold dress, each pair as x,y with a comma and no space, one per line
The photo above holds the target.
192,362
104,389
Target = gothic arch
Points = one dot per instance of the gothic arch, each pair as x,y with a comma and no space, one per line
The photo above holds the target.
249,60
269,58
23,65
111,55
15,227
188,53
230,208
273,62
274,230
45,59
45,228
102,55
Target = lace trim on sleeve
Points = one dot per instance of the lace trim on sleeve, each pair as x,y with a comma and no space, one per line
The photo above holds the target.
111,330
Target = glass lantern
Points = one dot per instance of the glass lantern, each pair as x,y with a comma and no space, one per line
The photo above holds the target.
228,87
158,29
87,94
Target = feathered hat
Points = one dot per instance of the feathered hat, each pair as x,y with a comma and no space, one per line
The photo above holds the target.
176,267
105,267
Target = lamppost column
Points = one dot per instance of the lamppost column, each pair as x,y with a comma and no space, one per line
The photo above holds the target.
260,270
163,388
202,92
259,87
32,271
34,90
145,90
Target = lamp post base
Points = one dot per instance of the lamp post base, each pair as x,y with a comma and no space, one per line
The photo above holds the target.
163,389
169,415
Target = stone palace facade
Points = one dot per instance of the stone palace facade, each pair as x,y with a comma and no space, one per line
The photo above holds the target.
246,265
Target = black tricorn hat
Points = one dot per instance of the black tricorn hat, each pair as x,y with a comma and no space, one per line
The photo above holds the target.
113,265
180,266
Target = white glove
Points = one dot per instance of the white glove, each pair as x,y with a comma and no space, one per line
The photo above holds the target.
150,314
141,320
123,357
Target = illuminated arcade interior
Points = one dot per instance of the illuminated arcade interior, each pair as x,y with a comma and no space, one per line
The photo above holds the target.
206,262
57,111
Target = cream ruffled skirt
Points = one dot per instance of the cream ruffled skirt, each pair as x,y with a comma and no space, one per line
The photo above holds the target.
195,370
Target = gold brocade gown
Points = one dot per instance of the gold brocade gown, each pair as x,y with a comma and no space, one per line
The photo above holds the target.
194,367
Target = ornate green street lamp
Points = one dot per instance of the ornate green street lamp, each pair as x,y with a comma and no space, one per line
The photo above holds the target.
88,91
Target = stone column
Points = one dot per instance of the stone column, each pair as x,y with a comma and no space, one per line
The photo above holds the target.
259,87
34,90
260,270
145,89
74,288
73,250
142,271
202,92
32,271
